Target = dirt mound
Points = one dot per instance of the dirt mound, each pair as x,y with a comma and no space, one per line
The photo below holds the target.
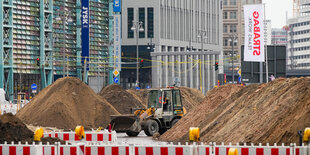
120,98
140,95
266,113
198,114
66,103
191,97
13,129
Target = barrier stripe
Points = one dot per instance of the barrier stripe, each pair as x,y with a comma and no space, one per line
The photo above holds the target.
259,151
66,137
100,150
207,151
115,151
149,150
73,151
88,137
87,151
179,150
76,137
297,151
227,150
61,150
244,151
164,150
26,150
12,150
136,151
1,150
217,151
110,137
288,152
127,150
99,137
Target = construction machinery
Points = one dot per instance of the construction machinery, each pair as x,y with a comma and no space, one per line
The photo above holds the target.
163,109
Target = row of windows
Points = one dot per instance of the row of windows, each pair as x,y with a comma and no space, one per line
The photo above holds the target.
232,15
300,24
232,28
303,64
231,2
301,56
301,48
150,22
300,32
300,40
226,42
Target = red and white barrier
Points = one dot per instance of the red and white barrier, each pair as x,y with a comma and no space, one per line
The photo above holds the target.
103,136
301,150
18,149
109,150
164,150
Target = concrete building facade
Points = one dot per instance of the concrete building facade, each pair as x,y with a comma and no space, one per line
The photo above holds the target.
299,39
233,25
186,38
267,33
278,36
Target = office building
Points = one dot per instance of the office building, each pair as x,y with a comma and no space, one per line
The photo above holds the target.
184,39
40,41
279,36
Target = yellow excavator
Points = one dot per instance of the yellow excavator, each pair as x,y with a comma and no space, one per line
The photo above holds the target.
163,109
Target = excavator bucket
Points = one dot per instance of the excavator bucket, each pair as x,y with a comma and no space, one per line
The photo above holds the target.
125,123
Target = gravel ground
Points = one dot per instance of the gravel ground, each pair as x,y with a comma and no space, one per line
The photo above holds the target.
141,139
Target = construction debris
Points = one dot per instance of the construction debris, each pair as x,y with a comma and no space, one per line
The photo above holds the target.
265,113
66,103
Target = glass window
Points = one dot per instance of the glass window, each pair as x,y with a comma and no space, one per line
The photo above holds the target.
233,15
142,19
225,15
153,99
130,14
150,22
233,28
225,2
225,29
233,2
176,99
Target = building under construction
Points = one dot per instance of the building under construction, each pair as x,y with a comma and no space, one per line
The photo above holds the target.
40,41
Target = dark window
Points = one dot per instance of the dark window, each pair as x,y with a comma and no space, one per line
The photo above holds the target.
129,22
150,22
142,19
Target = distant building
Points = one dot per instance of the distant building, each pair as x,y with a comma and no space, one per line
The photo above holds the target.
278,37
299,39
267,34
171,43
233,24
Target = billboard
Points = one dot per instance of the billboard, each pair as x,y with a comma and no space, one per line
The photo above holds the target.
117,41
117,5
85,29
254,33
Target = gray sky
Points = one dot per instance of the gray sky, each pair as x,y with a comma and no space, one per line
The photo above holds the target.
276,11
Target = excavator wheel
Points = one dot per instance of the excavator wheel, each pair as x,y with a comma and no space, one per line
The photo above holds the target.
151,127
132,134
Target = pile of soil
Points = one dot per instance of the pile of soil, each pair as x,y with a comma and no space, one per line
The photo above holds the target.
140,95
191,97
66,103
266,113
13,129
120,98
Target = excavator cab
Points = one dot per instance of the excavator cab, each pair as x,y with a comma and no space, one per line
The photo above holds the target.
164,108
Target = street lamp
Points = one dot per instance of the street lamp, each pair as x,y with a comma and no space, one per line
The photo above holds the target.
65,17
137,27
233,40
202,36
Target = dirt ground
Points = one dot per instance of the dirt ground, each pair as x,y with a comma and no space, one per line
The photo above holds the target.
265,113
66,103
122,100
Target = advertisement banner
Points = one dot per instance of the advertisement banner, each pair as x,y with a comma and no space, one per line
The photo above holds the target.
254,33
117,5
117,42
85,30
